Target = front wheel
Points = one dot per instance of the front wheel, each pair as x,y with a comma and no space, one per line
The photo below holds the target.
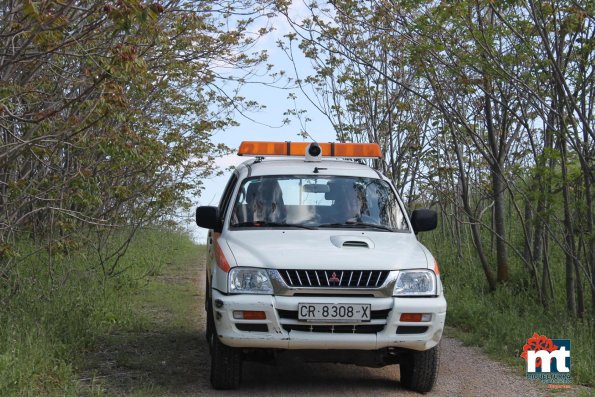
210,325
226,363
419,370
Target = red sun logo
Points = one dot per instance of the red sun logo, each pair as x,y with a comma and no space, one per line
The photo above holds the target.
536,343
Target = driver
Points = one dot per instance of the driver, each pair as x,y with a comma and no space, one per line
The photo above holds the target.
349,204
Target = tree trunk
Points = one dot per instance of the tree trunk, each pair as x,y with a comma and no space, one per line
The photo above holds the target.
475,230
500,226
546,281
495,137
590,254
569,233
527,254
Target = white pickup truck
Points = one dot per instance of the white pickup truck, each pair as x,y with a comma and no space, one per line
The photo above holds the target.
315,256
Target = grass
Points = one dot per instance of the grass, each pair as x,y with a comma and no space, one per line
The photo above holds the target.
54,317
162,351
502,321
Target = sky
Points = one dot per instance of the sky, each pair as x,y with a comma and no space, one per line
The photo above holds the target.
276,102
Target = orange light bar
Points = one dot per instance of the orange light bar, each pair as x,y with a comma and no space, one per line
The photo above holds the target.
358,150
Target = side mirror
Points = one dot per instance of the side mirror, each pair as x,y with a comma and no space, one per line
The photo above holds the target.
423,220
208,217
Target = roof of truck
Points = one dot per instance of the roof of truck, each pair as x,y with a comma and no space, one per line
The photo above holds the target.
299,166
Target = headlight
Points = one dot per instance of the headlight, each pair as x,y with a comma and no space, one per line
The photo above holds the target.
415,283
249,281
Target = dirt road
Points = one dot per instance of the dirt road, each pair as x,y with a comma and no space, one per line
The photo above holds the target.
174,361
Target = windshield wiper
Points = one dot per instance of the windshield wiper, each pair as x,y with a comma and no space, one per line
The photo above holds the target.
358,225
271,224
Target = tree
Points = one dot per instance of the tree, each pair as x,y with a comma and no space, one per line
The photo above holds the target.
106,113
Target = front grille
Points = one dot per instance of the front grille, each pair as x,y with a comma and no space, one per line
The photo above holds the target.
336,329
334,278
336,295
293,314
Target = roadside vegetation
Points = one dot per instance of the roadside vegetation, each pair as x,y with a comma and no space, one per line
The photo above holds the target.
106,113
55,320
502,321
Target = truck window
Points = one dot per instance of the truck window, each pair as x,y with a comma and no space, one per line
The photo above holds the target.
325,201
226,197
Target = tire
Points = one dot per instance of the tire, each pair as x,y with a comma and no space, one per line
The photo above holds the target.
210,325
226,363
209,310
419,370
207,293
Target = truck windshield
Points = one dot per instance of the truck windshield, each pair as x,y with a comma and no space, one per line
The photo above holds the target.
317,202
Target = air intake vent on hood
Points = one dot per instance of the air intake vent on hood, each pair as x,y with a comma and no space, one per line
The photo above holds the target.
358,241
361,244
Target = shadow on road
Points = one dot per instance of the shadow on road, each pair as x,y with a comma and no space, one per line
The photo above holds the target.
177,364
170,362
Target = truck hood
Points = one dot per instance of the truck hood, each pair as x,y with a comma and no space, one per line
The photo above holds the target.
331,249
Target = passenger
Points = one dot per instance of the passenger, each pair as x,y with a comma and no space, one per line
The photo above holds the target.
251,195
268,205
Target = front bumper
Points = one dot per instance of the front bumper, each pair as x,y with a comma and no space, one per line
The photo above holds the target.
283,331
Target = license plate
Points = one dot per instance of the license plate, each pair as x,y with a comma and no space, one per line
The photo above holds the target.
339,312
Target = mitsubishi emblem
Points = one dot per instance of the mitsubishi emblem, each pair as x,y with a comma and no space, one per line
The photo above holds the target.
334,279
